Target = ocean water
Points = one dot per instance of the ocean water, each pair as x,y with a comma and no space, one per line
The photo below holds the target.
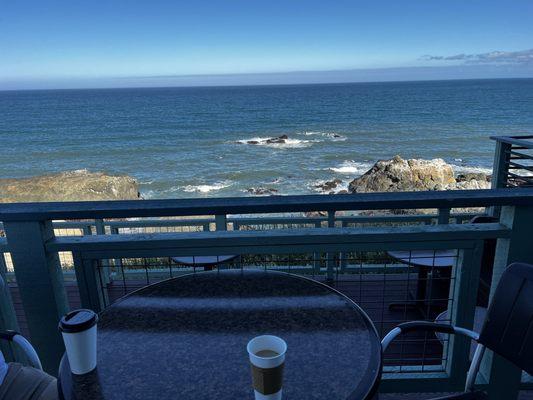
192,142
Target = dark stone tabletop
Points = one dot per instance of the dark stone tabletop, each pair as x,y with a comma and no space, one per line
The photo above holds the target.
185,338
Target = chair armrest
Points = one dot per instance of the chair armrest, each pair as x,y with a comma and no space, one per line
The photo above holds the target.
27,348
425,326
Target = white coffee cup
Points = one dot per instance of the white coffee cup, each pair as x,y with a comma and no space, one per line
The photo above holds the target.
78,329
264,364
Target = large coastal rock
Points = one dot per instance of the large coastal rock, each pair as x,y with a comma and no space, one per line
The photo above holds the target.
399,175
79,185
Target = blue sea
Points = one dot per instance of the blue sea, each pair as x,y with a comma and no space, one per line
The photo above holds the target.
193,142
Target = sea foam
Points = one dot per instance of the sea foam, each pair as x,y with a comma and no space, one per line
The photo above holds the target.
334,137
351,167
287,143
206,188
462,169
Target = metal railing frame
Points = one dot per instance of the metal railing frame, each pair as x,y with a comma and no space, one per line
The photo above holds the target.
34,247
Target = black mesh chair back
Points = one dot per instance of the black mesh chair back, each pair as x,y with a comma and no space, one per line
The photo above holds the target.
508,328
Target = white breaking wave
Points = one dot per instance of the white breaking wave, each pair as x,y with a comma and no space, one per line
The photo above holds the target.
462,169
352,167
206,188
335,137
283,143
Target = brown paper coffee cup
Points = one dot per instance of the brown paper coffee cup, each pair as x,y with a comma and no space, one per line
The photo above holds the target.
267,358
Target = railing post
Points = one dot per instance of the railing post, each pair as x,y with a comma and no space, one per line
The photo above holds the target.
87,231
462,306
100,230
92,294
504,377
118,261
330,257
500,167
342,256
40,283
444,216
221,222
8,316
316,256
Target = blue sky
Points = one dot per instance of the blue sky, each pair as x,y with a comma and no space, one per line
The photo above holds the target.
153,43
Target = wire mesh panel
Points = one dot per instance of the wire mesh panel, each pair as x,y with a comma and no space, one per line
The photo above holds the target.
391,287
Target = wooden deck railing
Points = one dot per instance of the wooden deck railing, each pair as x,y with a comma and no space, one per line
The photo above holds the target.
34,246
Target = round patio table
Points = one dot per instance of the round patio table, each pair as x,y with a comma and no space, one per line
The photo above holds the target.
185,338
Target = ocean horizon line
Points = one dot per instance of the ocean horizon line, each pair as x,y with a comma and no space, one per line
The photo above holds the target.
258,85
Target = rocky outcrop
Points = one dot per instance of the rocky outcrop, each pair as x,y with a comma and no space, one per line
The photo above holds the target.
80,185
399,175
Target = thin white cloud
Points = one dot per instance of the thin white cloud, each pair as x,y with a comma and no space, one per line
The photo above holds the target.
494,57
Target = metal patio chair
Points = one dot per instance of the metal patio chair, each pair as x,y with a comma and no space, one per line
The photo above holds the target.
506,330
19,382
23,382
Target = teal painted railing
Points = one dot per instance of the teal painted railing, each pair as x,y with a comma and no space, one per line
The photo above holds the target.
513,162
33,245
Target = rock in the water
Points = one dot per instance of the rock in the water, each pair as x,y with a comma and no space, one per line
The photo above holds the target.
399,175
274,140
277,140
80,185
329,185
260,191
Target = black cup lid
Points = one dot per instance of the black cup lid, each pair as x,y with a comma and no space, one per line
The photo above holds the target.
78,321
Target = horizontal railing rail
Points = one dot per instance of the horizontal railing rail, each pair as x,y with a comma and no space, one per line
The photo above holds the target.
261,205
242,221
300,240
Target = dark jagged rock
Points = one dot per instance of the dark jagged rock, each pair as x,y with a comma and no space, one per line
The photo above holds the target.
329,185
274,140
